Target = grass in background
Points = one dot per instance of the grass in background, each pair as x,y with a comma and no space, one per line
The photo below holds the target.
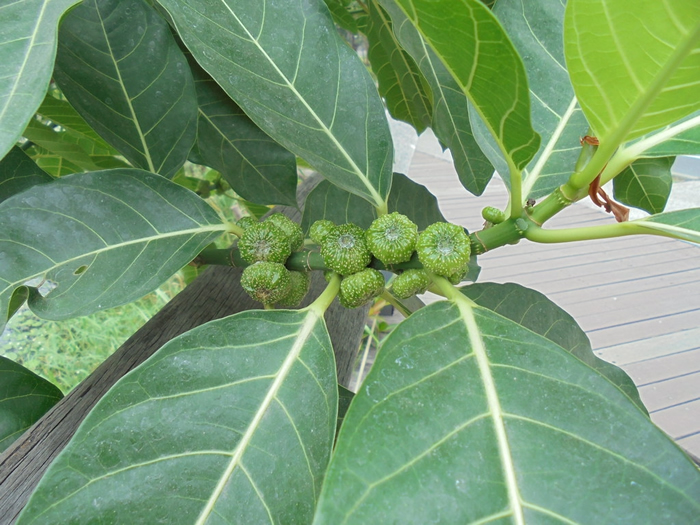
66,352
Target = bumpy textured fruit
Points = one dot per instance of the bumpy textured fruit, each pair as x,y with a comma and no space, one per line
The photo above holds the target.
443,248
320,229
246,222
392,238
264,242
344,249
290,228
266,282
410,283
459,275
298,289
359,288
493,215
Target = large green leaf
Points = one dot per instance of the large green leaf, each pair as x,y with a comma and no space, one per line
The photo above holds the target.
18,172
400,81
257,168
681,224
99,239
59,144
645,184
450,120
24,398
27,49
120,67
329,202
634,64
341,15
286,66
534,311
475,49
467,417
679,138
232,422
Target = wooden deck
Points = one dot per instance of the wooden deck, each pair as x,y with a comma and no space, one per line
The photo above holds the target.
637,298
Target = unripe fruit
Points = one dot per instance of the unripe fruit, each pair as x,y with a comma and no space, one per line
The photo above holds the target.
298,289
443,248
459,275
344,249
247,221
493,215
264,242
320,229
410,283
266,282
392,238
359,288
290,228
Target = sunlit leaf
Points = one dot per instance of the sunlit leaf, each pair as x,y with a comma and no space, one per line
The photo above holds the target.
18,172
681,224
646,184
24,398
634,64
99,239
286,66
231,422
467,417
27,50
120,68
679,138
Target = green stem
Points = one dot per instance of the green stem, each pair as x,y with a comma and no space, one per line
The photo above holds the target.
386,295
450,292
323,301
235,229
536,234
516,192
494,237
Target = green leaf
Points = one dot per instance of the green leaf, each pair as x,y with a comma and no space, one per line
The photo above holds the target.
231,422
680,138
286,66
645,184
53,163
407,197
450,120
99,239
344,399
633,74
24,398
27,50
257,168
400,81
497,423
534,311
18,172
120,67
341,16
59,144
681,224
476,50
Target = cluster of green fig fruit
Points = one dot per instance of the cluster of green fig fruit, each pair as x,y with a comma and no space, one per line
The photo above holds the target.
442,248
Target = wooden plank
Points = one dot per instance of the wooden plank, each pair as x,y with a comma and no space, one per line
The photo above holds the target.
691,443
665,367
651,348
679,421
670,393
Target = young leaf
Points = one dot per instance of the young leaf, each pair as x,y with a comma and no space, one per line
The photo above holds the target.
477,52
681,224
534,311
257,168
633,74
18,172
119,66
645,184
101,239
24,398
450,121
231,422
27,50
490,417
400,81
331,203
289,70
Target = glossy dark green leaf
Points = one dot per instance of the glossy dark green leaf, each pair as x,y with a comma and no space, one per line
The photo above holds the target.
257,168
99,239
400,81
681,224
232,422
344,399
633,74
341,15
18,172
534,311
24,398
476,50
407,197
286,66
27,50
120,68
450,120
467,417
645,184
